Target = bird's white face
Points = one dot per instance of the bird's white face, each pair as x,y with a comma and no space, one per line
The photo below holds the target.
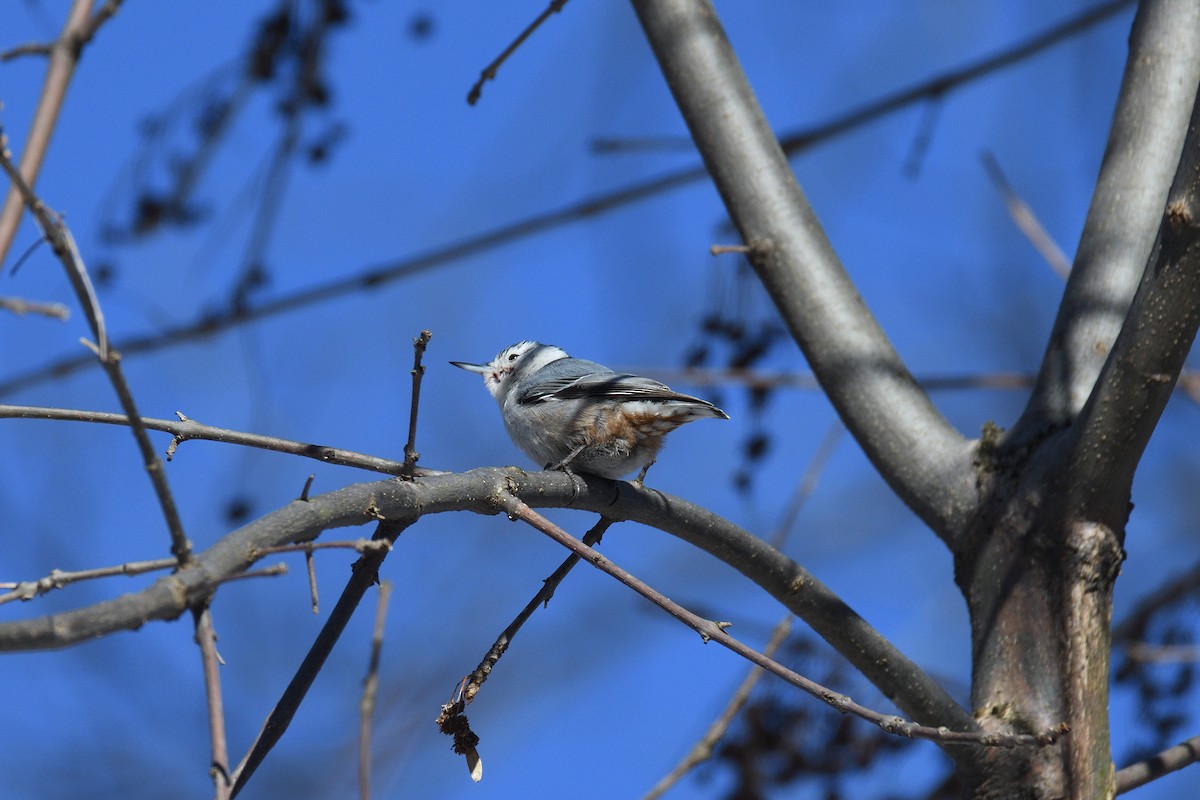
529,356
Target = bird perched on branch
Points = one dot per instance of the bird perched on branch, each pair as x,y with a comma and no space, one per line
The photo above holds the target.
571,414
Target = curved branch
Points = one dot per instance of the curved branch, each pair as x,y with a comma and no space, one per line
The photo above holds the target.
924,459
1148,129
913,691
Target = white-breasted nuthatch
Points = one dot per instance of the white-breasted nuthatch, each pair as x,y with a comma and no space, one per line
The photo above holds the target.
567,413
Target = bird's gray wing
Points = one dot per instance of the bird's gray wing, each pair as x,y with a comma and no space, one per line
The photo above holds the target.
606,385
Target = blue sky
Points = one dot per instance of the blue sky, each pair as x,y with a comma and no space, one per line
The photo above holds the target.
600,694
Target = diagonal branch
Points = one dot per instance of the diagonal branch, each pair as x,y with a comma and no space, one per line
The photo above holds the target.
1140,373
924,459
1153,768
63,243
715,631
703,749
366,573
64,55
1148,129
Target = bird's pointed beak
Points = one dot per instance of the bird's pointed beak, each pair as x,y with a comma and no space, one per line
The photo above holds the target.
476,368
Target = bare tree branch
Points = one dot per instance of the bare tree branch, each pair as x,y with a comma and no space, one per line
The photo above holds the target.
1140,373
64,55
21,307
1143,148
921,456
185,429
206,638
1024,218
710,630
366,573
1153,768
402,502
366,705
418,372
63,244
474,682
703,749
489,72
27,590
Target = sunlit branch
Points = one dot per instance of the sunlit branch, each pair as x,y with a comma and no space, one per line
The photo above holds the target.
21,307
1149,126
474,682
81,26
924,459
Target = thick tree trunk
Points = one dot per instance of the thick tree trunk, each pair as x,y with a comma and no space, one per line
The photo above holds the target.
1038,580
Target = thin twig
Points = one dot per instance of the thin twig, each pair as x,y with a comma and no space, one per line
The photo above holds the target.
474,682
21,307
489,72
366,705
102,15
186,429
27,49
1171,591
452,720
1149,653
63,243
808,483
27,590
360,545
1153,768
715,631
206,637
418,371
805,488
273,571
64,55
1025,219
83,35
703,749
793,142
365,573
311,567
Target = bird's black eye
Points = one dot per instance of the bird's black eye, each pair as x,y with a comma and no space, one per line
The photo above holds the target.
512,356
